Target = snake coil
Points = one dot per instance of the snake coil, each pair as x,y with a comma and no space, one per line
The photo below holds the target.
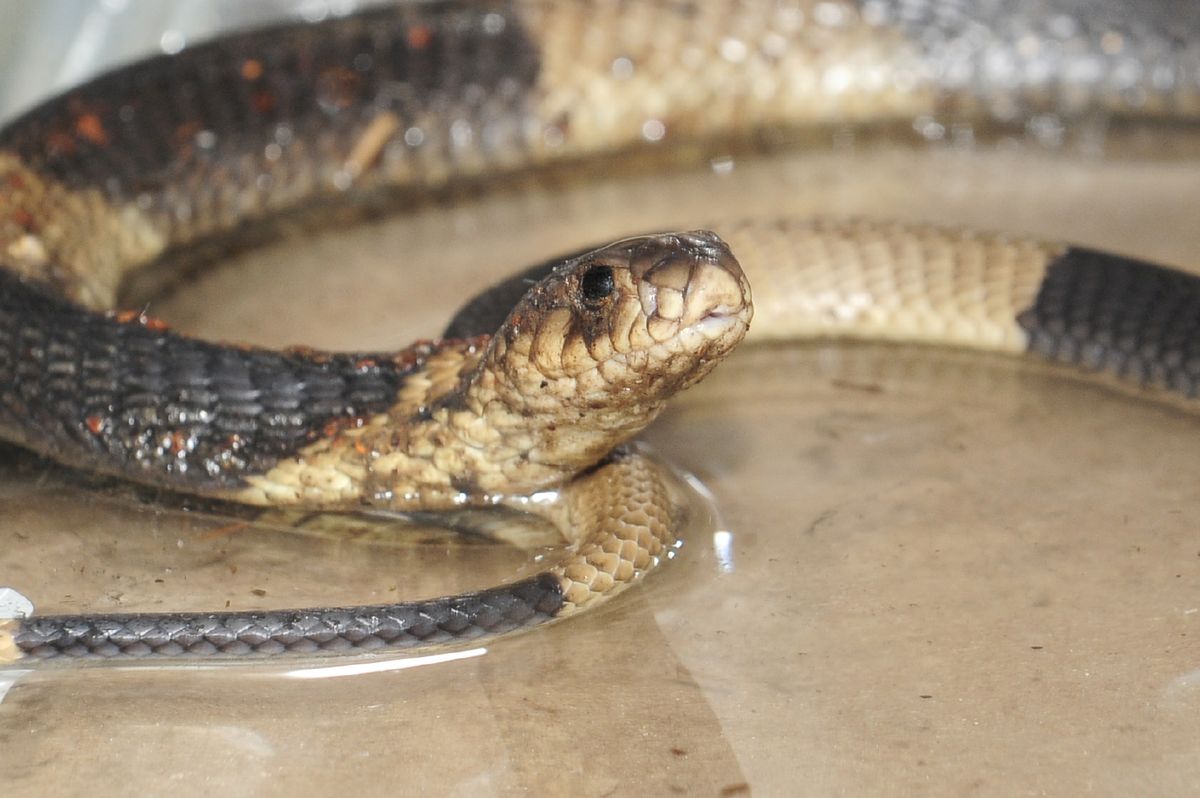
541,380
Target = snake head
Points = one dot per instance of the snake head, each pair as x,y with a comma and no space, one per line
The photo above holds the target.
595,349
585,359
641,318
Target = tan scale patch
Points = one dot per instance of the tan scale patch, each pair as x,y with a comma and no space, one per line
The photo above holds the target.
443,372
388,452
50,233
629,517
8,644
889,281
621,74
330,473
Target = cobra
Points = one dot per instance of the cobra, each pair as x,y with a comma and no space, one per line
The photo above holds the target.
184,154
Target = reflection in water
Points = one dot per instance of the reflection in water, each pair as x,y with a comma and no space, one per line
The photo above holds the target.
723,550
722,537
8,678
360,668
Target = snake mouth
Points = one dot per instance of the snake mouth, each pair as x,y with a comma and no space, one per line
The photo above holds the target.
720,322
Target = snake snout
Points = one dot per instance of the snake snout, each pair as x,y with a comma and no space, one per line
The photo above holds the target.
698,284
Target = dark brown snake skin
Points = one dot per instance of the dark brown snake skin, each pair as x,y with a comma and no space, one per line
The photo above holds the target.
180,155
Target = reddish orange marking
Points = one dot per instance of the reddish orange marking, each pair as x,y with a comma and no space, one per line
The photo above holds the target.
178,442
186,132
419,37
137,317
365,363
477,342
252,69
315,355
59,143
361,447
91,128
95,424
15,181
337,86
264,102
24,218
334,427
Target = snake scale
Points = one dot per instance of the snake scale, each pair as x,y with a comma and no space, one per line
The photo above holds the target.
542,379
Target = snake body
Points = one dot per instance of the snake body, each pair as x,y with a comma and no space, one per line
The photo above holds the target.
536,387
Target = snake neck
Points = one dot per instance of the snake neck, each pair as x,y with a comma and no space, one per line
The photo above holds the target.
538,425
473,425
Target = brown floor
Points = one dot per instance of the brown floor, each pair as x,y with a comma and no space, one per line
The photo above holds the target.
927,572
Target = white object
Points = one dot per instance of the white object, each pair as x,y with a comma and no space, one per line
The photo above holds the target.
13,604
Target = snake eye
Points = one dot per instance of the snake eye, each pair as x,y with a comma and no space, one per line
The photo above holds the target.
597,285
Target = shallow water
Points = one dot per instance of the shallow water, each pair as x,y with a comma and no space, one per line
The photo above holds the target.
927,571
